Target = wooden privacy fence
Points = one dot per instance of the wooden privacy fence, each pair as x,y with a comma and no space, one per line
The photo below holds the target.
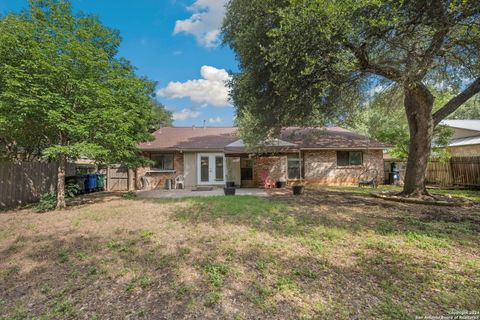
117,178
26,181
458,171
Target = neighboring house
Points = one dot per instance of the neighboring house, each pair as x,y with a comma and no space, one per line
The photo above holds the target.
465,141
212,156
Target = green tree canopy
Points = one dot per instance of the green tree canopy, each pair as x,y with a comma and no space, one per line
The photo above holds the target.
65,93
161,117
384,119
305,62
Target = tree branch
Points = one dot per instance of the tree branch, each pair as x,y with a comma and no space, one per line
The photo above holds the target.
367,66
434,47
457,101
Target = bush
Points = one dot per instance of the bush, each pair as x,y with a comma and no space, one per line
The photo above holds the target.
47,202
71,190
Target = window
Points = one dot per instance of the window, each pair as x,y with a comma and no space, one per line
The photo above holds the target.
163,161
349,158
246,169
295,166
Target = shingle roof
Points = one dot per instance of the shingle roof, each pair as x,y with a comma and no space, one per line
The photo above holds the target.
467,141
463,124
188,138
329,138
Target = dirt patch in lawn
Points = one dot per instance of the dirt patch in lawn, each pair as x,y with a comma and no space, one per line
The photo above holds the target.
325,254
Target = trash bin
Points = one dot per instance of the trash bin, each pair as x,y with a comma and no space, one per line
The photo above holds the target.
169,184
100,182
394,174
91,182
81,182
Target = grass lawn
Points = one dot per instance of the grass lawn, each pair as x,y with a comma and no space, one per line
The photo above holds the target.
328,254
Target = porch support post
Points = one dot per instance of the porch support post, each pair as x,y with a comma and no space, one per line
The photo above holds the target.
300,164
131,180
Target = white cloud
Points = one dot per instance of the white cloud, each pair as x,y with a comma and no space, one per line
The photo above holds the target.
211,89
215,120
185,114
204,23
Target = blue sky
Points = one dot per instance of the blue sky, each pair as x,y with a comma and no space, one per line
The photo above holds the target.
173,42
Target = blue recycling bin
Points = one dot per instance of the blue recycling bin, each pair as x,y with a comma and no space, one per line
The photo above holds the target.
90,182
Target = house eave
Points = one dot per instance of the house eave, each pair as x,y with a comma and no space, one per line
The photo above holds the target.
182,150
343,148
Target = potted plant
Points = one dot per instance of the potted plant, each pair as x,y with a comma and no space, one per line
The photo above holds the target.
229,191
281,183
297,189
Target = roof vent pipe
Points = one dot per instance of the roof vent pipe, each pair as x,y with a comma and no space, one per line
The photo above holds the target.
204,124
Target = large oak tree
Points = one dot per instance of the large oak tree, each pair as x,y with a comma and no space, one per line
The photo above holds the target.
305,62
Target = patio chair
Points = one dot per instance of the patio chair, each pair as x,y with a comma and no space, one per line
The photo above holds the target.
179,180
368,178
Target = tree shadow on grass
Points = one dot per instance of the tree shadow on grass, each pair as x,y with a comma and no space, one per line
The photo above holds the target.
60,276
129,274
327,211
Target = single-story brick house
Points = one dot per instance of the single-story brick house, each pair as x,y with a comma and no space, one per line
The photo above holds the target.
212,156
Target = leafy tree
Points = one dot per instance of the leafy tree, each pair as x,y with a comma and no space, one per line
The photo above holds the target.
161,117
63,89
469,111
384,119
307,61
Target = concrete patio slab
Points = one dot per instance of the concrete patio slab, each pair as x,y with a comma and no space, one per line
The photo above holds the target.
183,193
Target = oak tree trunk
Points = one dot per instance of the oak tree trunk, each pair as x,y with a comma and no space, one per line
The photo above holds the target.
418,107
62,164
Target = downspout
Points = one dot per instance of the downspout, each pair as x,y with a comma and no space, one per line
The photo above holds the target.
300,163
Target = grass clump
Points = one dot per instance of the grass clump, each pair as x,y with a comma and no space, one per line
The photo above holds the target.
130,195
215,273
213,298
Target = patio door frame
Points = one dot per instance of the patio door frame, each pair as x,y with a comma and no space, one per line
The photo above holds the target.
211,168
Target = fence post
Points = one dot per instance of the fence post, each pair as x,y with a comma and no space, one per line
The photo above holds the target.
452,170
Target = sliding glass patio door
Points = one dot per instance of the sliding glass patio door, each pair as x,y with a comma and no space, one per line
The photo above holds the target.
211,168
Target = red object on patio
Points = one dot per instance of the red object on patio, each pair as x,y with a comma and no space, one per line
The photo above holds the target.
266,181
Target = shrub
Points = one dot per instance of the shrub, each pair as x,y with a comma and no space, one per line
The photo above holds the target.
71,190
47,202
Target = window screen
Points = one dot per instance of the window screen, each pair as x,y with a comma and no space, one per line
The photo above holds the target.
349,158
163,161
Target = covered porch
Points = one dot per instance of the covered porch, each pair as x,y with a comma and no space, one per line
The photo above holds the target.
274,162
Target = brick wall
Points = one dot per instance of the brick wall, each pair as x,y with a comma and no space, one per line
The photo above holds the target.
275,166
157,180
321,167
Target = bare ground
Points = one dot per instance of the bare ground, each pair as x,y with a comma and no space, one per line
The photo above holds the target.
326,254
